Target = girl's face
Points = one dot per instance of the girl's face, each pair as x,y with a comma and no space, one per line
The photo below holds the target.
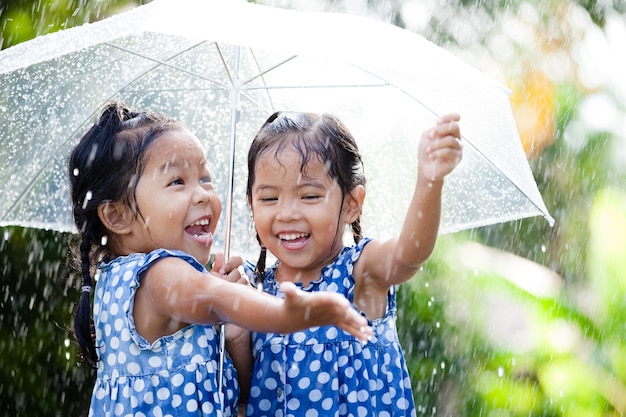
175,196
298,217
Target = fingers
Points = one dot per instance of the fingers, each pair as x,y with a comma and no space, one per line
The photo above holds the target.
447,118
446,126
356,325
445,139
224,268
328,308
290,290
445,148
231,270
218,262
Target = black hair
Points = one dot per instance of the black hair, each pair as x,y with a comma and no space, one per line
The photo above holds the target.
105,167
312,135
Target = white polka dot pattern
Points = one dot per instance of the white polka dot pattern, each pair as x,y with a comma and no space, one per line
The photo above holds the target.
174,376
324,371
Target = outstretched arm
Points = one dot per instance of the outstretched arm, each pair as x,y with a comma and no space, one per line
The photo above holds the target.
396,260
173,294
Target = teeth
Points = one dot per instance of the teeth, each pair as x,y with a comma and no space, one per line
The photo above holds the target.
202,222
292,236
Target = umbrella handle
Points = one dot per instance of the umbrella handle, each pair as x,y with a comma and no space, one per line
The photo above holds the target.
222,350
234,111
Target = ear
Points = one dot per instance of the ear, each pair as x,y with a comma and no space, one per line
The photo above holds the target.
354,204
116,217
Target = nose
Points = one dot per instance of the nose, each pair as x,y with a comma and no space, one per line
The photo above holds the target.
288,210
204,194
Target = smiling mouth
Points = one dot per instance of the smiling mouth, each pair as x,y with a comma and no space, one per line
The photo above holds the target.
290,237
200,228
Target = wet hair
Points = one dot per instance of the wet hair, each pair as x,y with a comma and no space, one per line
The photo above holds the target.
312,135
105,167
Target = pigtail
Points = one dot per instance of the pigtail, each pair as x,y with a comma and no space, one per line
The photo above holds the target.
357,233
84,331
259,270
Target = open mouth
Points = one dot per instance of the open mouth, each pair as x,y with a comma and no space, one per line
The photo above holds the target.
199,228
290,237
294,241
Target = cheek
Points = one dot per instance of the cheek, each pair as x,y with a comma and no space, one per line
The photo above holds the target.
261,219
217,206
258,217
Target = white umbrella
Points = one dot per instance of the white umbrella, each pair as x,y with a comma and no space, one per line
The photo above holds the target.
222,67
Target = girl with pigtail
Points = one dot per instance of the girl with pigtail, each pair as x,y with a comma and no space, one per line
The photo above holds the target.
146,210
305,185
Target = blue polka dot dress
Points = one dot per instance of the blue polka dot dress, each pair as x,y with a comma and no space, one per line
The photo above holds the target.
176,375
324,371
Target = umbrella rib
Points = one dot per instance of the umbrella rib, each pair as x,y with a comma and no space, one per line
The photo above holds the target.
261,75
167,64
287,87
219,51
273,67
481,153
19,199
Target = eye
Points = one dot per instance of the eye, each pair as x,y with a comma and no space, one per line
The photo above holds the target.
176,181
206,179
268,199
311,197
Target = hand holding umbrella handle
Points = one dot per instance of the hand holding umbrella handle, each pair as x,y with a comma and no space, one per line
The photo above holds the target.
236,338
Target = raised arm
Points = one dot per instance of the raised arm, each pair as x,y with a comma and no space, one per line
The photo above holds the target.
396,260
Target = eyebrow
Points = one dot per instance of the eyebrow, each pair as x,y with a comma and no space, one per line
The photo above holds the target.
181,165
302,184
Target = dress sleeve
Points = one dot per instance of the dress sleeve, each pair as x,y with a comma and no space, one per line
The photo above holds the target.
157,254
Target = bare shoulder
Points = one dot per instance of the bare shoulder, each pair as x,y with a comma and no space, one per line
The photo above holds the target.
162,297
168,276
368,264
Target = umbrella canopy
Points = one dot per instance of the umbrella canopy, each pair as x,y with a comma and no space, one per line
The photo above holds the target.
222,67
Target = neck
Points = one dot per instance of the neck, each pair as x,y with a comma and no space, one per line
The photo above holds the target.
304,276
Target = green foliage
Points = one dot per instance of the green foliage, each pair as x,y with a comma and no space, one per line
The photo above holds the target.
38,367
22,20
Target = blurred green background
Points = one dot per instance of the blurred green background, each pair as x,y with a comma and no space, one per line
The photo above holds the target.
517,319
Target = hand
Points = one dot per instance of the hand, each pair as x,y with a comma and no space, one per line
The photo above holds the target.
440,148
325,308
230,271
